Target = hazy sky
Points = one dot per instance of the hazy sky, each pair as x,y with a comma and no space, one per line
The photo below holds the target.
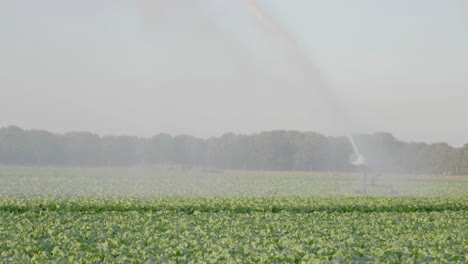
205,67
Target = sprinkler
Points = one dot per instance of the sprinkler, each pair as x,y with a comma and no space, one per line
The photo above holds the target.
360,162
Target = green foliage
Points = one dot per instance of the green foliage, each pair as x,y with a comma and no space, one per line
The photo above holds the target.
235,230
53,215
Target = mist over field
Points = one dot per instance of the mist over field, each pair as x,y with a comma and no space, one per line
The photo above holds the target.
179,182
241,131
240,85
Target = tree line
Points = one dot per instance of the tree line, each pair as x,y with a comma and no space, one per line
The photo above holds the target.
274,150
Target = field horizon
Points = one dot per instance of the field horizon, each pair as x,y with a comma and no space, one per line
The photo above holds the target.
178,181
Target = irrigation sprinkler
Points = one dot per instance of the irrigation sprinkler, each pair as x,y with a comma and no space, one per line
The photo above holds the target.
360,162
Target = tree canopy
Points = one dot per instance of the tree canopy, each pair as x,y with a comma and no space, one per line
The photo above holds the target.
275,150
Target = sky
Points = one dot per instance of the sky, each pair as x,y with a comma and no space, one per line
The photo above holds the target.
207,67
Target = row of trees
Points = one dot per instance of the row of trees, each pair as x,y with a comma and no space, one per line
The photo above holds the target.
275,150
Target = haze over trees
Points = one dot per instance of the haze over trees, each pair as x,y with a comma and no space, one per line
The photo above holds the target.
274,150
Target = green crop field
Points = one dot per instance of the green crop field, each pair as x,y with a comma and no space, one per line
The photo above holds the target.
144,215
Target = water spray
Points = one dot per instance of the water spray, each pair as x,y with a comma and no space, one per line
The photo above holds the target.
300,57
357,158
298,54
